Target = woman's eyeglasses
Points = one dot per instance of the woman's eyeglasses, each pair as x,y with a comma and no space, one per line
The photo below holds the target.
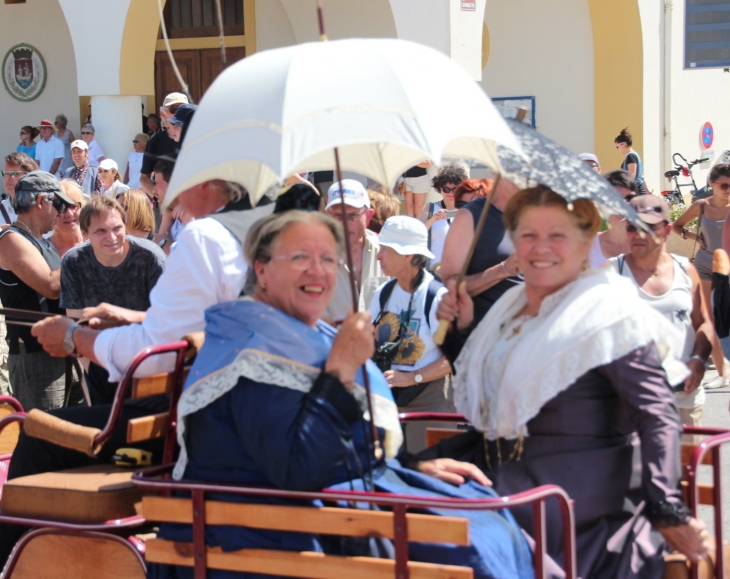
136,142
86,133
23,133
303,261
448,189
723,186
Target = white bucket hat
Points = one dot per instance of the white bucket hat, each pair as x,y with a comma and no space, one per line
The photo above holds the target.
406,235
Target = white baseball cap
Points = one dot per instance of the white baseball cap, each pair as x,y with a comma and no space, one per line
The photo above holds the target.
79,144
355,194
109,165
589,157
406,235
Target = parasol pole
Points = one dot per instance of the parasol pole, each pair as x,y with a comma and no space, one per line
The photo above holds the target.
444,325
377,449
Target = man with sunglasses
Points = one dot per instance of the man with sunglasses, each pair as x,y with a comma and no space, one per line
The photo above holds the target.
160,144
30,280
364,243
16,165
671,285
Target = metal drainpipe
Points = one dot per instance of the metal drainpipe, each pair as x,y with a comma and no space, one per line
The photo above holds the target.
666,161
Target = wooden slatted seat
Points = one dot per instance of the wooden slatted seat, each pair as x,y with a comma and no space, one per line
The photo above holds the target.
103,492
52,554
326,520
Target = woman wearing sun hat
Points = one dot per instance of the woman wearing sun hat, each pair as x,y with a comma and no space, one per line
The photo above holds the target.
404,313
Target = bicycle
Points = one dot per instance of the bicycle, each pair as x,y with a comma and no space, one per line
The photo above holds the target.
673,197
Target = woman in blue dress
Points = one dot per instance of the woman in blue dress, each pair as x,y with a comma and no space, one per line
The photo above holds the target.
27,141
275,399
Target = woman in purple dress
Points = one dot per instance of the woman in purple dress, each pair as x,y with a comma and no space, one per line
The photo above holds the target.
566,381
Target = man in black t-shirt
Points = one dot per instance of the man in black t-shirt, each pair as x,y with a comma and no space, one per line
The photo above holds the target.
160,144
110,268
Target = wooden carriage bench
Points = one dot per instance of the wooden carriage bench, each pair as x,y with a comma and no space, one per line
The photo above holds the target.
394,523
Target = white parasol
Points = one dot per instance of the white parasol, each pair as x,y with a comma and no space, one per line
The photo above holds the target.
386,104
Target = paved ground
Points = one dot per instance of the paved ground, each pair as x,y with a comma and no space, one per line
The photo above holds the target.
717,414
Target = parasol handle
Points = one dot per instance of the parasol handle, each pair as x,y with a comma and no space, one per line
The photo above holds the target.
440,334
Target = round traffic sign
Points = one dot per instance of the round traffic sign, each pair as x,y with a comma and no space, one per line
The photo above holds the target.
707,136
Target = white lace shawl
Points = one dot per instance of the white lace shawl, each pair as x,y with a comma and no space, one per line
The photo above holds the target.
589,323
264,367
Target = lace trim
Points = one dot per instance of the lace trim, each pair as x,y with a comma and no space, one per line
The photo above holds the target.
263,367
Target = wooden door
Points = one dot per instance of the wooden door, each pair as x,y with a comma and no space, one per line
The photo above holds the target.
188,62
211,65
199,68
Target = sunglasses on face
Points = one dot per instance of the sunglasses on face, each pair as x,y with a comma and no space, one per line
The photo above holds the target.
448,189
135,142
723,186
656,227
23,133
12,174
629,197
86,133
59,204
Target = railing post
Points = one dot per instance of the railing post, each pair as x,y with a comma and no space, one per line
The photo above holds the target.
400,533
538,526
199,547
717,499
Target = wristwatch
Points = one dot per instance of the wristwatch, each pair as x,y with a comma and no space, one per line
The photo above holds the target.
418,378
68,342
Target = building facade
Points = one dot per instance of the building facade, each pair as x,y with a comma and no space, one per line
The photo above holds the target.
591,67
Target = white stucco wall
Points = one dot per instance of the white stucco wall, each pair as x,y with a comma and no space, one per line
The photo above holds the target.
20,23
545,50
697,96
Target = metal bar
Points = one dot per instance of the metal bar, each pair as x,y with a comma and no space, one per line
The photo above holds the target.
127,522
199,548
169,449
400,541
10,418
430,417
126,383
538,533
717,500
10,401
570,564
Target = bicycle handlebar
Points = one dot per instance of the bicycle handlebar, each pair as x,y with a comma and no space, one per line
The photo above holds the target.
689,164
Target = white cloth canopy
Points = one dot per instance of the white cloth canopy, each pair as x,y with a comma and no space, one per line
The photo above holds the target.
387,105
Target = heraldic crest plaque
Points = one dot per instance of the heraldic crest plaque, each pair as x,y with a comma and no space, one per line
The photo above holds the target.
24,72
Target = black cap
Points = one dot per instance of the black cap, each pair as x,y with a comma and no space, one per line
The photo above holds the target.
42,182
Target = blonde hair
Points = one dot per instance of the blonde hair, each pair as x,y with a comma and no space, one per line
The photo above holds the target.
583,212
144,137
140,215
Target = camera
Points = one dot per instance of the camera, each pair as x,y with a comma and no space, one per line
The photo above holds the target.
384,355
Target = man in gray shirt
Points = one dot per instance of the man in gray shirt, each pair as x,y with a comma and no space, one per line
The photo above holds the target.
109,268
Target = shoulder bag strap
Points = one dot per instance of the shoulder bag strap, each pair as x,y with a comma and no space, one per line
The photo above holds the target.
5,214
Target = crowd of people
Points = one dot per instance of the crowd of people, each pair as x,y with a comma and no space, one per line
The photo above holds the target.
573,338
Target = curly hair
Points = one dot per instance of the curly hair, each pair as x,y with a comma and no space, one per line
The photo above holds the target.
451,173
624,137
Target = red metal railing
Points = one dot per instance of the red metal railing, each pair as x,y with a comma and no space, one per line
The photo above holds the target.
153,479
717,437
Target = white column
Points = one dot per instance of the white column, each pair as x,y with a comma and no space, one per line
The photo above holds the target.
116,120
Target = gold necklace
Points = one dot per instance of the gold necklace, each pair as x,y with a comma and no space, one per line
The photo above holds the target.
24,226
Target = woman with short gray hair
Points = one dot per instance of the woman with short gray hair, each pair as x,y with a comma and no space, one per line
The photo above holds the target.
66,137
96,155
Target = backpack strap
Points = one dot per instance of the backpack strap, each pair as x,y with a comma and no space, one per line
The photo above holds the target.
433,288
430,214
384,297
6,216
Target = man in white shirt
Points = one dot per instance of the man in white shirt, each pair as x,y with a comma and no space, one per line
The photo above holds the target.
206,268
49,150
364,244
